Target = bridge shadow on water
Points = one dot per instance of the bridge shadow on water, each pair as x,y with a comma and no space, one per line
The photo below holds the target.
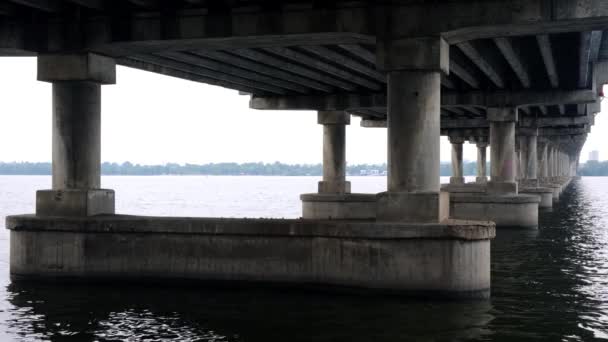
550,283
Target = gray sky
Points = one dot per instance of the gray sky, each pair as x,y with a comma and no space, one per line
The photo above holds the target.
151,119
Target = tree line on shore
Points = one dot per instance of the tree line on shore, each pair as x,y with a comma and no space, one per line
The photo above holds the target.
591,168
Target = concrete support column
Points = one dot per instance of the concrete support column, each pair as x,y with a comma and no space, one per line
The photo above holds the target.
414,91
457,171
413,131
334,152
482,144
554,162
76,135
76,144
550,161
502,149
521,156
543,159
531,171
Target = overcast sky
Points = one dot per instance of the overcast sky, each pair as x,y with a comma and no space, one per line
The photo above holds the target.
153,119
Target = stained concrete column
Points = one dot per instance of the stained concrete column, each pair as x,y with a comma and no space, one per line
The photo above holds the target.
414,91
549,161
553,159
531,171
482,145
76,135
457,172
334,151
543,147
76,125
502,149
521,156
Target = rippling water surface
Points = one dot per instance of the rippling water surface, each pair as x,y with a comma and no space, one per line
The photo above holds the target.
547,284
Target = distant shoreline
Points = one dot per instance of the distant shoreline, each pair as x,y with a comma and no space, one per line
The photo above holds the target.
592,168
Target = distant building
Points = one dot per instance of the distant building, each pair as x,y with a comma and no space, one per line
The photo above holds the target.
594,155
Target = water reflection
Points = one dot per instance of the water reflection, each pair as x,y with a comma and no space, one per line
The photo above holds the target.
203,314
549,284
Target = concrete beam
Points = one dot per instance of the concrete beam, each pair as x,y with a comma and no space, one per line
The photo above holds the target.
262,68
512,56
546,131
151,67
90,4
448,99
293,68
323,66
296,24
360,52
322,102
209,73
556,121
368,123
76,67
517,98
145,3
464,74
323,52
50,6
251,74
418,53
544,44
480,61
483,123
447,82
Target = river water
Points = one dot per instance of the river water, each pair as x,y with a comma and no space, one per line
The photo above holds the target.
547,284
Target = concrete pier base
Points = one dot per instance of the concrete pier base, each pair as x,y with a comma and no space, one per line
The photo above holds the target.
464,188
338,206
448,259
519,211
545,195
74,202
556,188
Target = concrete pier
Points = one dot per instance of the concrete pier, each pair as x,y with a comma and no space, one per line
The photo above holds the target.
447,260
76,143
530,183
502,151
501,203
334,200
413,125
482,145
457,174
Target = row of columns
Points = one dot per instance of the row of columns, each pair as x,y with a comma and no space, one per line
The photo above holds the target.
76,135
413,141
530,160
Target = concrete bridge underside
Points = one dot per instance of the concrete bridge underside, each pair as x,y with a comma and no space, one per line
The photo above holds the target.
523,77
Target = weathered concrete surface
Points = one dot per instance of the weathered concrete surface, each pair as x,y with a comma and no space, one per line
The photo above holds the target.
74,202
464,188
413,131
519,211
502,150
334,152
545,195
482,145
338,206
80,67
76,135
451,258
413,149
457,172
413,206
